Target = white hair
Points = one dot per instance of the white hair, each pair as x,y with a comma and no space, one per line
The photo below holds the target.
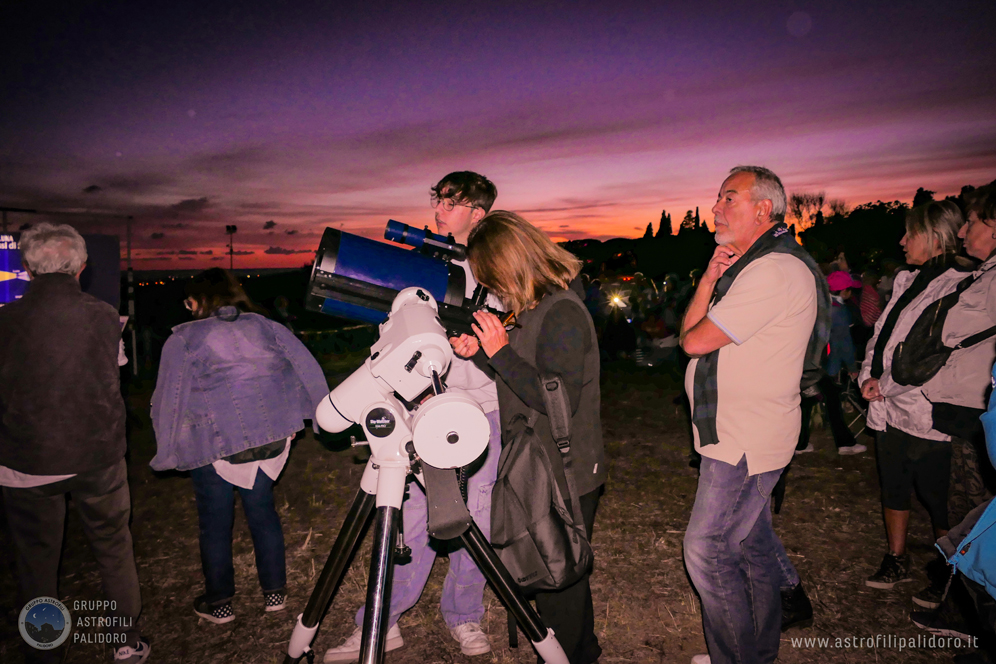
52,248
767,187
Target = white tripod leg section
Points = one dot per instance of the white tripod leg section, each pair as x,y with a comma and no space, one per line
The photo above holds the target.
549,650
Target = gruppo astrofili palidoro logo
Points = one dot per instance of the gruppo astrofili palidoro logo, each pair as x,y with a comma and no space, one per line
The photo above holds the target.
45,623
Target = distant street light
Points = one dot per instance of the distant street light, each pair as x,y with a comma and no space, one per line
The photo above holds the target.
231,229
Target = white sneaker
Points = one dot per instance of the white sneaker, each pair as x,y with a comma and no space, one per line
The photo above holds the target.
807,448
472,639
349,651
701,659
856,448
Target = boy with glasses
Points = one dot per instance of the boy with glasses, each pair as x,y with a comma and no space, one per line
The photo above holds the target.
460,200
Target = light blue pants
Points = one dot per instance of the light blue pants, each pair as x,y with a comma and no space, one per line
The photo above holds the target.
462,600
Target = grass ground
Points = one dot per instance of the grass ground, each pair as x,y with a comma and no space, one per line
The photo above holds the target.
646,610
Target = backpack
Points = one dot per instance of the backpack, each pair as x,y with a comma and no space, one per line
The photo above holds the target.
537,528
922,353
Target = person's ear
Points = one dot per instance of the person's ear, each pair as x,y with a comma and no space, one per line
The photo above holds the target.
763,211
80,272
476,214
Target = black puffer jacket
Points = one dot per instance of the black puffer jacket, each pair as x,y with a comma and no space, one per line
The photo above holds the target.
61,410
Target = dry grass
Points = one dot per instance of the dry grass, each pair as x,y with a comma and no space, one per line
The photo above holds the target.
645,608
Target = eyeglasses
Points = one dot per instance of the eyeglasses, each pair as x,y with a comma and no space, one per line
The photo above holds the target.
447,203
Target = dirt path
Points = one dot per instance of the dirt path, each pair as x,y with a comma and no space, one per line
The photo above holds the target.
645,608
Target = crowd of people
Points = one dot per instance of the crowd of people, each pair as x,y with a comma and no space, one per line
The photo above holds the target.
234,387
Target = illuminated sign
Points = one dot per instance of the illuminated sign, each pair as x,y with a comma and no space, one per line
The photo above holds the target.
13,278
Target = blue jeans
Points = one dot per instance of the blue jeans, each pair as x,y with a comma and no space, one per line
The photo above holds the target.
216,512
732,556
462,600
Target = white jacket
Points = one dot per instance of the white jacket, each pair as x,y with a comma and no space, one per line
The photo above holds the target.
905,407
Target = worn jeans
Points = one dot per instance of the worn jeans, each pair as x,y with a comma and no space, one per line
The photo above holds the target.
462,600
36,517
216,513
732,556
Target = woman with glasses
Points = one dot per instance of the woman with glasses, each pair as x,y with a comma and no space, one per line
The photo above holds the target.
538,282
233,389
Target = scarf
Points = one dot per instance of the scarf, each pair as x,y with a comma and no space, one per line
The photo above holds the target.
706,386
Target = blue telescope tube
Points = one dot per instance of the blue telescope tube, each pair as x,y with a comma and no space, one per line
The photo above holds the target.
358,278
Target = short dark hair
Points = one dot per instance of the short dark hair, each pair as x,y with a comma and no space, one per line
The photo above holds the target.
216,288
982,202
467,186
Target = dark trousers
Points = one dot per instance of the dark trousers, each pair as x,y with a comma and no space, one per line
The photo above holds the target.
36,519
216,514
842,436
569,612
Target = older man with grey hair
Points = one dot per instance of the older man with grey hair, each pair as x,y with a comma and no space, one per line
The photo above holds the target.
757,327
62,430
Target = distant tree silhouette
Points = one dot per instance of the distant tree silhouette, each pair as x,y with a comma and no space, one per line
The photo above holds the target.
697,223
804,206
688,223
818,219
650,232
665,223
838,208
922,196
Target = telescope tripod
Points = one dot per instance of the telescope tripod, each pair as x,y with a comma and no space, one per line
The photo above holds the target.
382,488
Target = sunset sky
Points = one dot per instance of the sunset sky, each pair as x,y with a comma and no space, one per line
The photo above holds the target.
590,117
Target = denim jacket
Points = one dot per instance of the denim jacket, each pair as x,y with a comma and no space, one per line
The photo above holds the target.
229,383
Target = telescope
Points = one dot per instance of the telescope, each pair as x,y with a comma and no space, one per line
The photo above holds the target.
447,432
358,278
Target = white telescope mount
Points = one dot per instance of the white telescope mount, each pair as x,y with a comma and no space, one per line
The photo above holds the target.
448,431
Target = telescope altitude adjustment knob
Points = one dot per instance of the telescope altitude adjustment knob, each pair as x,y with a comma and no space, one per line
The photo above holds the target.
452,438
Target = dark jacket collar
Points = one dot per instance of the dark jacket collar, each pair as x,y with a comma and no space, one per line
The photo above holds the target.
56,282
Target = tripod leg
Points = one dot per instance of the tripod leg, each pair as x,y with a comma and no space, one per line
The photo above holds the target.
379,587
331,576
494,571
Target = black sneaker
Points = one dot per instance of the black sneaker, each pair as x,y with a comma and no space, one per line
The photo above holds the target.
219,614
797,611
930,597
941,625
894,569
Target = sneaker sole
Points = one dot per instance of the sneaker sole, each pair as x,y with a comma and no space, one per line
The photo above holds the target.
279,607
884,585
216,621
942,631
926,603
354,655
480,650
851,452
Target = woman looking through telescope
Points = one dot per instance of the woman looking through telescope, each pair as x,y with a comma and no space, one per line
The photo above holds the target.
538,281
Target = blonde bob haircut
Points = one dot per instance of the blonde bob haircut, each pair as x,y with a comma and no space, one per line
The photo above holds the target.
938,221
517,261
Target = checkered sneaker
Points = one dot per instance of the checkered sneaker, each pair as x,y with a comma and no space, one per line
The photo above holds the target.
274,601
219,615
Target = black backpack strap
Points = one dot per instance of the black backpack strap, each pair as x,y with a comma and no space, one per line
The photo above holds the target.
558,410
975,338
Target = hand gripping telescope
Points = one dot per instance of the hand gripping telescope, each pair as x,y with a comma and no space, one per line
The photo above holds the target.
448,431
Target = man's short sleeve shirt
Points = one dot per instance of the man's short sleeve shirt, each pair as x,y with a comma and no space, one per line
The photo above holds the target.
769,313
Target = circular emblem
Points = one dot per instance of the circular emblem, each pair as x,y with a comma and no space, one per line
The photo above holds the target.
45,623
380,422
